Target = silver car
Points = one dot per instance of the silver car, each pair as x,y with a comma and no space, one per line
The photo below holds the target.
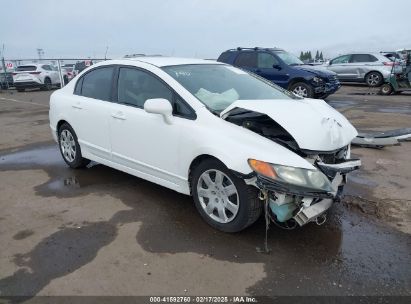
371,68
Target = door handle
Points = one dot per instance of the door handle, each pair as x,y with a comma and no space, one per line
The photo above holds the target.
118,115
77,106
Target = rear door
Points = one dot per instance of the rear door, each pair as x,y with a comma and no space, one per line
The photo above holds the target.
361,64
90,106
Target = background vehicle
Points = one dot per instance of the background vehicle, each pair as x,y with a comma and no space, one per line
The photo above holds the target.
177,122
285,70
41,76
371,68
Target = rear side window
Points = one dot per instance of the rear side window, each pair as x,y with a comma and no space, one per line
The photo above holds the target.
97,84
246,59
26,68
266,61
136,86
362,58
46,67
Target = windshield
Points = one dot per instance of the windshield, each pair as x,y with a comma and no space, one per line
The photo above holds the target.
218,86
289,59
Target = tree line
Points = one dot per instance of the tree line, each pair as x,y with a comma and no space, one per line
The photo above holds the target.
307,56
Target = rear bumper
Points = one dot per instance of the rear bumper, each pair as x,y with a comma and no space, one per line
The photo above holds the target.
27,84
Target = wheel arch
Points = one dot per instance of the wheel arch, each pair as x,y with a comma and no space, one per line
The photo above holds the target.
195,162
295,80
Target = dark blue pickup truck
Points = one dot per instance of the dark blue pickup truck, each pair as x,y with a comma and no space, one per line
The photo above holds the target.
285,70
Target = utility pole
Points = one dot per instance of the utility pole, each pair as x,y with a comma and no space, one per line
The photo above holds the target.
40,53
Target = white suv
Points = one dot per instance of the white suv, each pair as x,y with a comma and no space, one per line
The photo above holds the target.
41,76
229,138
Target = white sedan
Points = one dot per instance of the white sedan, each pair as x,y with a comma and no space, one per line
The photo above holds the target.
230,139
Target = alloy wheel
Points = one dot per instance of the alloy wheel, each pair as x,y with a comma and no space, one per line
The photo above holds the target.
68,145
218,196
373,79
300,91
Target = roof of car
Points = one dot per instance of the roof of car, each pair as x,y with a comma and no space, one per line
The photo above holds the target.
161,61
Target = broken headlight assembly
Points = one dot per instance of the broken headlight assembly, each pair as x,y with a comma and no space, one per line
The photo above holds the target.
305,179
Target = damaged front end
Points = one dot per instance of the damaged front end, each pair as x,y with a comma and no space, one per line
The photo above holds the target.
291,204
296,196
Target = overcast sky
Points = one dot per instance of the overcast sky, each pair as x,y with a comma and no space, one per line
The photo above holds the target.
200,28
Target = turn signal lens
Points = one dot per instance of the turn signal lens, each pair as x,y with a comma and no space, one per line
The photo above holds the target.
262,168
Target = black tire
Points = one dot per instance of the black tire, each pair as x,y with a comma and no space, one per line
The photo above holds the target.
386,89
250,207
374,79
47,84
302,87
78,161
20,89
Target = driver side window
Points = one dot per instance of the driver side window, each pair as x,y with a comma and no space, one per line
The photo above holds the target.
341,59
136,86
266,61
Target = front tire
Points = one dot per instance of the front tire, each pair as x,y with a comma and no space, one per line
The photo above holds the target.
302,89
374,79
224,200
70,148
386,89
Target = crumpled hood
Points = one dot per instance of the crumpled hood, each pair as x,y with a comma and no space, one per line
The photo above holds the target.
319,70
311,122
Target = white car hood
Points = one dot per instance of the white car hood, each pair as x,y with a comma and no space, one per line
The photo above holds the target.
311,122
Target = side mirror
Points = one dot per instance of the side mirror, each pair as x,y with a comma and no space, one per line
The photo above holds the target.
160,106
277,66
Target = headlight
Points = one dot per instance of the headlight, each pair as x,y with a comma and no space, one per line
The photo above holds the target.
313,179
317,79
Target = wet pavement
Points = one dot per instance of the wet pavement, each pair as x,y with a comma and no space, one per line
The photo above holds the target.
98,231
350,254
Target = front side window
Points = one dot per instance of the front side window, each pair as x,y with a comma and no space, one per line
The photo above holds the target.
97,83
341,59
136,86
46,67
218,86
288,58
266,61
247,59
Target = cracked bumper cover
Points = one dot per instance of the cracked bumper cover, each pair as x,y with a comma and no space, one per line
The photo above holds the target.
305,214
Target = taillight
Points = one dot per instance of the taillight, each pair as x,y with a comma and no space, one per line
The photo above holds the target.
35,73
391,63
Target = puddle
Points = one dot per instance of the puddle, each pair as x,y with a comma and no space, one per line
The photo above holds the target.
338,104
349,250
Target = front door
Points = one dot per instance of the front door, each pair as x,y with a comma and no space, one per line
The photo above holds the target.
142,141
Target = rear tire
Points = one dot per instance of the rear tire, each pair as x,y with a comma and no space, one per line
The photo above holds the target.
374,79
47,84
302,89
69,147
245,207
